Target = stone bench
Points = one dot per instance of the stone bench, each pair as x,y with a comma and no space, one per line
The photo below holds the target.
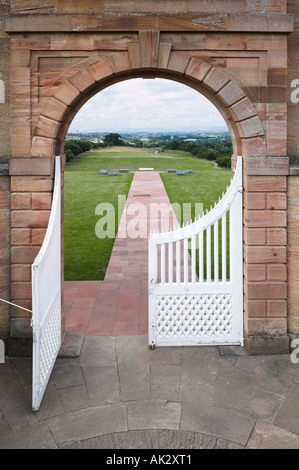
146,169
184,172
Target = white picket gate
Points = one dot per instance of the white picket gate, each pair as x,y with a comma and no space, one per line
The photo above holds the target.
196,277
46,299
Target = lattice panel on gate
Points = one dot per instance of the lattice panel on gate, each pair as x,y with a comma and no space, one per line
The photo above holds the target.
196,277
49,342
194,315
46,299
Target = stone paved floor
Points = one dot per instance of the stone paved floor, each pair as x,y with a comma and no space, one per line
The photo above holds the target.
119,394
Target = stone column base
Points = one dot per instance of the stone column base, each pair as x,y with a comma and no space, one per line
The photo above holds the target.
263,344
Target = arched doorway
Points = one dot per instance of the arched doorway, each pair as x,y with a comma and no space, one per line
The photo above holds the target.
217,86
236,141
82,316
62,81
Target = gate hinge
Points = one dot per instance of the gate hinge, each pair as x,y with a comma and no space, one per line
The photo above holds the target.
241,189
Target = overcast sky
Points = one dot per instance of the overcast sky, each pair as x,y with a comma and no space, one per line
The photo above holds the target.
152,104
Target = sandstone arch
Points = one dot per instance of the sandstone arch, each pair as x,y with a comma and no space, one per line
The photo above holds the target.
239,113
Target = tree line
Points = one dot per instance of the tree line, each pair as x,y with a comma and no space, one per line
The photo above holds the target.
213,149
74,147
217,149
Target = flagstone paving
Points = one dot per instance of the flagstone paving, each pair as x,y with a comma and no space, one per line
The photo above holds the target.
119,394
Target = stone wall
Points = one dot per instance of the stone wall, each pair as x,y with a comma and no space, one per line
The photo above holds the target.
265,257
4,178
5,85
148,6
293,180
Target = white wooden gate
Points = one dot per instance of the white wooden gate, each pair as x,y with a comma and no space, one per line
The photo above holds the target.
196,277
46,299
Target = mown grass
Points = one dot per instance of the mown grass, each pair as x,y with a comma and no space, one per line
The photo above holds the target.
85,256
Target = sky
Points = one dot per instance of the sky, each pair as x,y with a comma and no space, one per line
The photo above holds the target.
147,105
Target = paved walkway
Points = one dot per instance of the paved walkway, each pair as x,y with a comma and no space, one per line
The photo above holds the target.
119,394
118,305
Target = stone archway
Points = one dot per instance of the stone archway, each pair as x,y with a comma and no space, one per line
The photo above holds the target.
215,84
237,110
240,66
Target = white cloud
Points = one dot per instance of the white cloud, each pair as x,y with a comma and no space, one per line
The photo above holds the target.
150,104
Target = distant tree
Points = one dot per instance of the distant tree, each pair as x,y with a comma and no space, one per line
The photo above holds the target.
227,162
194,150
69,155
137,142
172,145
211,155
224,162
113,139
85,145
97,145
73,146
182,147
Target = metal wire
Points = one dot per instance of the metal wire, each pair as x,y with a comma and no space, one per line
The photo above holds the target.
15,305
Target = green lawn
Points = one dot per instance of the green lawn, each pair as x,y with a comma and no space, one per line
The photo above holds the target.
86,256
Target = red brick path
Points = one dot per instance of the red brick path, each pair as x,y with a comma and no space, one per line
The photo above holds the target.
118,305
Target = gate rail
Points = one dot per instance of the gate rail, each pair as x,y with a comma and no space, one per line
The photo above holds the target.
46,298
196,277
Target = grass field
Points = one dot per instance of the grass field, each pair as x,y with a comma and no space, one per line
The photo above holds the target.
86,256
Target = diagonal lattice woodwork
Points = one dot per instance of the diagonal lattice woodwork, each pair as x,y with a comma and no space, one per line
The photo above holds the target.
193,315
